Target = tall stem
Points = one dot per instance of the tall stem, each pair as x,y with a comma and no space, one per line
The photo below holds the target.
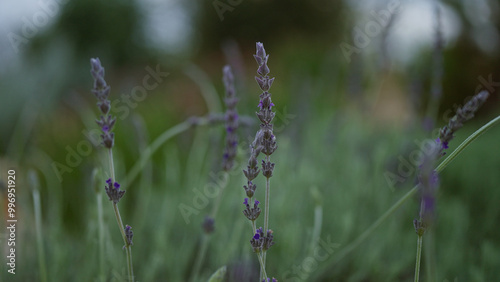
419,255
101,236
128,248
39,236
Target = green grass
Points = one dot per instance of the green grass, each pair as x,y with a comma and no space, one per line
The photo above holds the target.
341,153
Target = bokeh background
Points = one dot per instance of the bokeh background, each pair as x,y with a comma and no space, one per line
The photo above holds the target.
356,93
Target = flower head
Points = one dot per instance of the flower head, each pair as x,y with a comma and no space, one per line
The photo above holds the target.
113,191
463,115
252,213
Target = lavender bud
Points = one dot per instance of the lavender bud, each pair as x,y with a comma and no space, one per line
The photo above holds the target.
113,191
104,106
251,213
267,169
261,52
128,234
250,189
268,240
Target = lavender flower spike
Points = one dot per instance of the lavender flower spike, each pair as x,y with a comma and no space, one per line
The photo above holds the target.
463,115
101,91
231,119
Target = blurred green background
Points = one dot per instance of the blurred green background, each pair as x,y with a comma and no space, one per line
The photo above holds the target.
344,121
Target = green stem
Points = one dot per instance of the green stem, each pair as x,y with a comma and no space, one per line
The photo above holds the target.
128,249
262,267
199,258
318,220
39,236
127,246
120,222
419,255
361,238
101,236
151,149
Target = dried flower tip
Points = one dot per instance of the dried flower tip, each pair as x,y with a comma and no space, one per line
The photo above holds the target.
113,191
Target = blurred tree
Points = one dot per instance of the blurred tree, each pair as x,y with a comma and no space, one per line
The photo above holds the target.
111,28
267,21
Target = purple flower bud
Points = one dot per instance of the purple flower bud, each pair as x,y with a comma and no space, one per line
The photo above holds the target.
245,202
261,52
259,60
270,82
263,70
114,194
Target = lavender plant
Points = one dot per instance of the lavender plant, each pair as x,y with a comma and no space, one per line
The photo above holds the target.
264,142
106,122
231,120
463,115
428,177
